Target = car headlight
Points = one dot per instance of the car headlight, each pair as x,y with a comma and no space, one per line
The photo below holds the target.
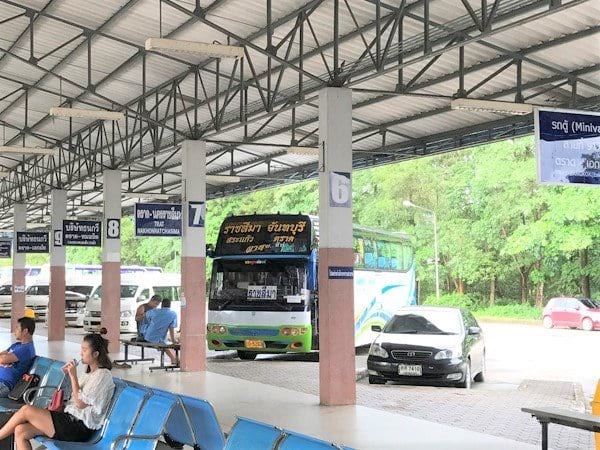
378,350
448,354
126,314
80,305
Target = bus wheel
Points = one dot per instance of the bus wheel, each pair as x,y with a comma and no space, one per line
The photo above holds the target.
246,356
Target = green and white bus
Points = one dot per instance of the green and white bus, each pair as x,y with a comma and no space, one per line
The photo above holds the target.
264,295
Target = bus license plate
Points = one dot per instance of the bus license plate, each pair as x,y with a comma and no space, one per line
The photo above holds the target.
410,370
251,343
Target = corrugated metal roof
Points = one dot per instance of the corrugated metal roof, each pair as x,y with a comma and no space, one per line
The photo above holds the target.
552,44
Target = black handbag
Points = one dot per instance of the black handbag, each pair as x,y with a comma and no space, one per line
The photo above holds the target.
9,442
28,380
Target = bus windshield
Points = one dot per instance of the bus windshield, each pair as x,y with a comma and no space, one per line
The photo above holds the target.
267,284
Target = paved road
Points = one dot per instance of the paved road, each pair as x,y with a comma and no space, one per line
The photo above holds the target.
526,366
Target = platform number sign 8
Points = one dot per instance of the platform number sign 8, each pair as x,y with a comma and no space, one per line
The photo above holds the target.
340,188
113,228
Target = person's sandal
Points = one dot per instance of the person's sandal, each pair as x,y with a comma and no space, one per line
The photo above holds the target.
172,443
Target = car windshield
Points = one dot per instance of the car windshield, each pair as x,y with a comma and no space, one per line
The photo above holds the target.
85,290
6,289
127,291
589,302
424,322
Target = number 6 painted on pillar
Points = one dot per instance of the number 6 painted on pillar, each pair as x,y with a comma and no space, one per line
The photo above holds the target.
340,189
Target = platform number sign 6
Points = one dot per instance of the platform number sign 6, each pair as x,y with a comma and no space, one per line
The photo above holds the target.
113,228
196,214
340,188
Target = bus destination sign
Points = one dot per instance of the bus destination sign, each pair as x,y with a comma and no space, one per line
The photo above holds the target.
265,235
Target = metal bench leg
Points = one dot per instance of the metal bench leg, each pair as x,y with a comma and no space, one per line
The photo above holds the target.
544,435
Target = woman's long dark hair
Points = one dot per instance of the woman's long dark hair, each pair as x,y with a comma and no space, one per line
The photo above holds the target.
100,345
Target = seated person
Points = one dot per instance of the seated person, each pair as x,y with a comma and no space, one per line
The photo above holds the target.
18,358
161,320
140,314
84,413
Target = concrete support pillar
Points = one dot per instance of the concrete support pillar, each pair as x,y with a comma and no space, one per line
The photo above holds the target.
18,274
56,307
193,257
111,260
337,379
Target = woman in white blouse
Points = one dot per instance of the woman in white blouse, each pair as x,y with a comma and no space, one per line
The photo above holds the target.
84,413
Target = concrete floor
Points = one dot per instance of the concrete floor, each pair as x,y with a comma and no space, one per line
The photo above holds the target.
356,426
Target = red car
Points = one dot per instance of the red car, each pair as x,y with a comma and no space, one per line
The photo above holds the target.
572,312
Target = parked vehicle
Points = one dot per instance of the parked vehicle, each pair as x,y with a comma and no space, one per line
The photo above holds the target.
572,312
135,290
428,345
5,300
264,291
77,293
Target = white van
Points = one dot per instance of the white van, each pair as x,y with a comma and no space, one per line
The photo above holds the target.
5,300
31,276
77,293
136,289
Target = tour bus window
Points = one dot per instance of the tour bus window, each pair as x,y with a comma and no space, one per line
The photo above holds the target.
359,253
370,255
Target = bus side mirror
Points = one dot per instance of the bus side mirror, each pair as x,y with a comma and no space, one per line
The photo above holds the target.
210,250
376,328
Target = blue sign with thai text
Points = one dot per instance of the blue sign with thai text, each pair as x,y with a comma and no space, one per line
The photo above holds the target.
568,146
341,273
157,219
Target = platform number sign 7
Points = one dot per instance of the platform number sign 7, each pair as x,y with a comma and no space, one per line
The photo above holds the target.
340,189
196,214
113,228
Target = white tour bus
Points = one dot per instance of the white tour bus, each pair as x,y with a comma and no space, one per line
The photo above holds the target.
135,290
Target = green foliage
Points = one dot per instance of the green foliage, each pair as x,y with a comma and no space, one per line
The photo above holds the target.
453,300
513,311
505,242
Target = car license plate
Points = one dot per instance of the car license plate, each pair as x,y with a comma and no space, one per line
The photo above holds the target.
250,343
410,370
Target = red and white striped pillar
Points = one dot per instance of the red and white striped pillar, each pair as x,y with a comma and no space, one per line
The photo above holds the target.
337,379
111,261
18,272
193,257
56,307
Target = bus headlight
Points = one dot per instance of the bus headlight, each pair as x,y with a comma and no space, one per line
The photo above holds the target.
293,331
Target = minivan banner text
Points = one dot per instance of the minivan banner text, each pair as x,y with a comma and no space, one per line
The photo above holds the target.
568,146
157,219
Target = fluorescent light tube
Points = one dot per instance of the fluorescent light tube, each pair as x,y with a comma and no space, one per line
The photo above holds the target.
468,104
296,150
28,150
157,196
198,48
99,114
223,178
92,208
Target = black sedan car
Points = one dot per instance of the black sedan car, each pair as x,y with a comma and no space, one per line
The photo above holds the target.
429,345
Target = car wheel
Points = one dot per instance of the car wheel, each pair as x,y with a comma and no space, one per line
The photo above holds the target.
587,324
466,383
480,377
376,380
246,356
548,322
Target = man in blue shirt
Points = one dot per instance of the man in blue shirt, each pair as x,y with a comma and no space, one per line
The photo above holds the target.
18,358
158,322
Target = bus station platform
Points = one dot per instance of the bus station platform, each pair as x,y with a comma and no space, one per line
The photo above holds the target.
355,426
